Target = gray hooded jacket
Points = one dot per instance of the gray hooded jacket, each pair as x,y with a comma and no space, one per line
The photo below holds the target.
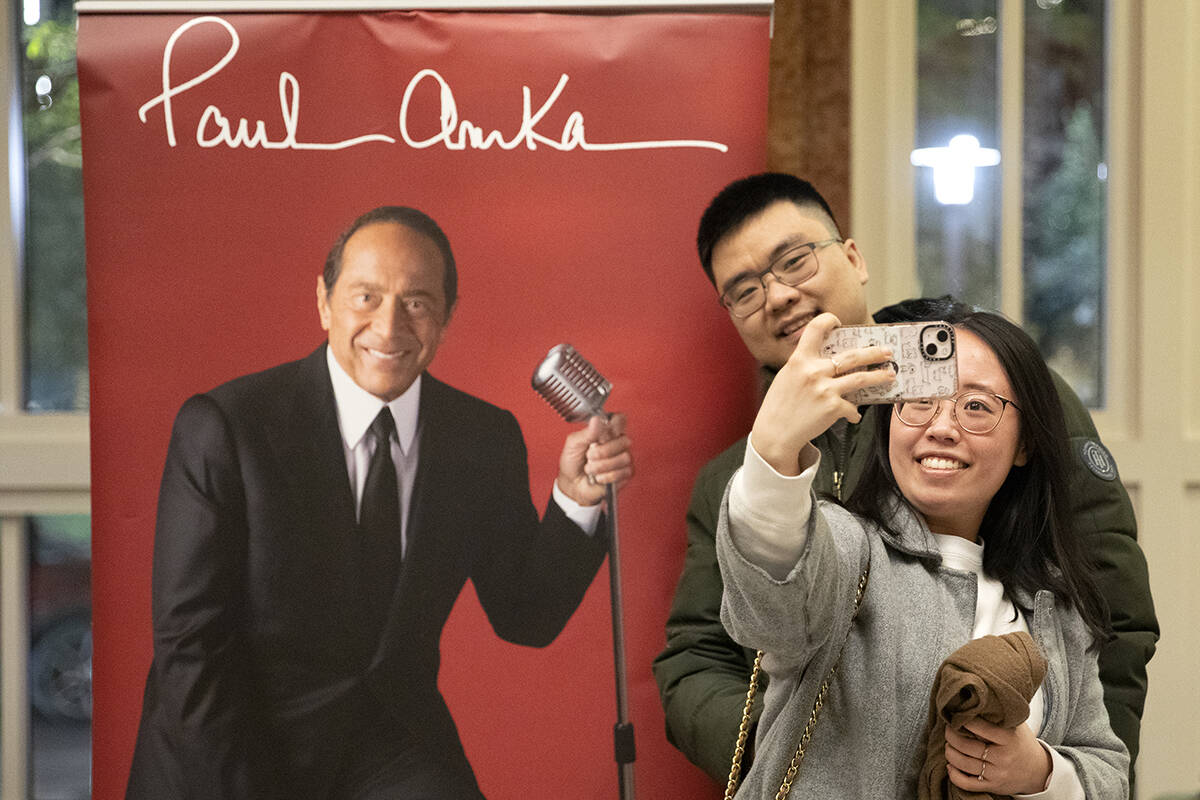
870,740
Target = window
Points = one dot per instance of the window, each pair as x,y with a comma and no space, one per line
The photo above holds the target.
54,313
958,201
966,51
45,631
60,654
1066,173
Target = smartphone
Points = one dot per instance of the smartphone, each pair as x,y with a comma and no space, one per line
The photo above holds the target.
924,357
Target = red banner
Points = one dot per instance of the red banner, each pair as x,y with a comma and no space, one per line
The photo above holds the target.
567,156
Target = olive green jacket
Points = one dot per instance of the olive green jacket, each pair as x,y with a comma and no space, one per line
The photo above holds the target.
702,674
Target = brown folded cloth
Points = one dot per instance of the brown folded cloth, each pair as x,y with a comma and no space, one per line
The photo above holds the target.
991,678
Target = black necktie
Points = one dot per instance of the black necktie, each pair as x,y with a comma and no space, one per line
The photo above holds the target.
379,524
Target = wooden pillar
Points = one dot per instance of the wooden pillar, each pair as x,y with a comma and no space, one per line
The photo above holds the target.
808,106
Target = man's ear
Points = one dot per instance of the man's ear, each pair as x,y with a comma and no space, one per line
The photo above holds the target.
856,259
322,302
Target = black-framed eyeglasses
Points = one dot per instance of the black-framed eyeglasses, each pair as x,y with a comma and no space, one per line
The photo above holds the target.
975,412
793,267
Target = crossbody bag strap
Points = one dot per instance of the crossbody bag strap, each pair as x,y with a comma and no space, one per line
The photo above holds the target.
739,749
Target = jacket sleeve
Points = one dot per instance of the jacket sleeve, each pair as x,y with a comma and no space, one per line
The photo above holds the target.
207,733
702,674
534,574
1104,517
1100,758
792,616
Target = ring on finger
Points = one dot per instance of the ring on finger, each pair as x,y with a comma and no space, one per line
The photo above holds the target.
981,769
983,755
837,367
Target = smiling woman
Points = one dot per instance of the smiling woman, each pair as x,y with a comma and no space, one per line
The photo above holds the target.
946,472
960,530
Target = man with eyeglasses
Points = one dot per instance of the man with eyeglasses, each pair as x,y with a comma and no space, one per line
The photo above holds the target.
772,249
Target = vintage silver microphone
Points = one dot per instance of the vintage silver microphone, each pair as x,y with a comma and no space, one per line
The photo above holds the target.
577,391
570,384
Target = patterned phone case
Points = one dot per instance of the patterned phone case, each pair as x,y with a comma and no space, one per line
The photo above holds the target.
924,356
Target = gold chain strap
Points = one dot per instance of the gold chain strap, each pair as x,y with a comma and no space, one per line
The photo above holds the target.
739,749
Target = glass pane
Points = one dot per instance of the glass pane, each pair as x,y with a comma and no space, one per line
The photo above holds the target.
958,201
1065,188
60,656
55,317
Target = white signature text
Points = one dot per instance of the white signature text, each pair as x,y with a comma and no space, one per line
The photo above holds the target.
215,128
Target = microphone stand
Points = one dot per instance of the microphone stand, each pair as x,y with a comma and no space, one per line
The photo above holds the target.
576,390
624,748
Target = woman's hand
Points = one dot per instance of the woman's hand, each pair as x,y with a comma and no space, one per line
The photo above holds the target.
1000,761
807,396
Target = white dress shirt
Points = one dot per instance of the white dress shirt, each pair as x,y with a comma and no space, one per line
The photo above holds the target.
357,409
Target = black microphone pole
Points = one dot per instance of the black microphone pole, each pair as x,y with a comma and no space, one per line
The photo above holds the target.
624,748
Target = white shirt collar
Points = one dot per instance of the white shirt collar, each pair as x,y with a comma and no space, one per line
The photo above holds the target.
357,408
960,553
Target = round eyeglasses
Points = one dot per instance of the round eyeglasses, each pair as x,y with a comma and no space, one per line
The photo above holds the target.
792,267
974,412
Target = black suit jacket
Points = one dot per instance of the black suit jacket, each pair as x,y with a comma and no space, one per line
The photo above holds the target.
261,670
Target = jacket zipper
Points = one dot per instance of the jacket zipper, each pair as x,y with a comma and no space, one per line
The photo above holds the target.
839,472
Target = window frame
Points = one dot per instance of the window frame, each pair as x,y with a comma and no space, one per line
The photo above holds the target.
44,457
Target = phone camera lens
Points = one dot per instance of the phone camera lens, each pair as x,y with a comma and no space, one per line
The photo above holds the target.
931,349
942,336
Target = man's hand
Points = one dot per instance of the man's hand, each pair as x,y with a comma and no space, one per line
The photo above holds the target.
807,396
594,457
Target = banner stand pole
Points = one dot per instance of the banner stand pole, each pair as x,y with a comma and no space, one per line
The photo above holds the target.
624,748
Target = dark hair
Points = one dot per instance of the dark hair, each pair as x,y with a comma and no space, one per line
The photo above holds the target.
925,309
746,197
410,218
1031,539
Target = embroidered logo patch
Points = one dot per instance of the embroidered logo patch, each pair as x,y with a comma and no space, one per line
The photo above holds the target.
1096,457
